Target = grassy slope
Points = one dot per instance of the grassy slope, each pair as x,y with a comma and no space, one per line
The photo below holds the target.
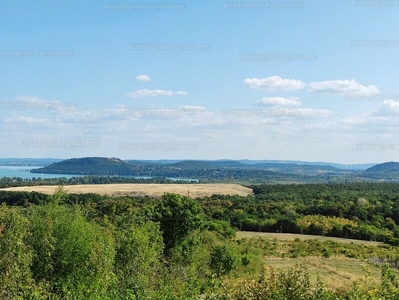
291,237
336,272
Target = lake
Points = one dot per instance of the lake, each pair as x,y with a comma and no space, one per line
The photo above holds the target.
23,172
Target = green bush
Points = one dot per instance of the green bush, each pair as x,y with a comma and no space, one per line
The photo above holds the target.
223,260
223,228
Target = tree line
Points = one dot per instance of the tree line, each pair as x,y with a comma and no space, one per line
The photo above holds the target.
368,211
6,182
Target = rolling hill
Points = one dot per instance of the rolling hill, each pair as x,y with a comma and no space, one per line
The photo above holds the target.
89,166
214,171
220,170
387,167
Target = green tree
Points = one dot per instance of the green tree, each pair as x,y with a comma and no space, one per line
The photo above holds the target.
15,254
181,222
59,195
223,260
138,251
75,257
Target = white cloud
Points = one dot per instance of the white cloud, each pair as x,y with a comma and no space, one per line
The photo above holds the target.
310,112
193,110
278,101
24,120
275,123
192,107
154,93
143,77
153,113
274,83
391,106
342,87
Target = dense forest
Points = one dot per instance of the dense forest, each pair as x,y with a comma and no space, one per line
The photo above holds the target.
87,246
361,211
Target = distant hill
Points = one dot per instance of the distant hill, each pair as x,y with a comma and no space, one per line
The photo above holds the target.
199,164
291,168
271,163
186,169
388,167
220,170
89,166
296,168
318,163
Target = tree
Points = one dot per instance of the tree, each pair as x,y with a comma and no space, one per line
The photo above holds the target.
75,257
15,254
223,260
180,222
59,195
138,251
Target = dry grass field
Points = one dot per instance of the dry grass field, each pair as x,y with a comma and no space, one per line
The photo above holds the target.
291,237
337,273
133,189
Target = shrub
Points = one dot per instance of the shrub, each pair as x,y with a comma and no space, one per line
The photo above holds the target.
223,260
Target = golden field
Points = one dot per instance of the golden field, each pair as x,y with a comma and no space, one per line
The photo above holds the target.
139,189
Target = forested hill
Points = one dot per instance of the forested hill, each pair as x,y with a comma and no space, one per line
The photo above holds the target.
196,170
204,170
89,166
231,164
220,171
385,167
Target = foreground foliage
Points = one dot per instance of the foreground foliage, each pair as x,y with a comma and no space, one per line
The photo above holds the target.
94,247
294,284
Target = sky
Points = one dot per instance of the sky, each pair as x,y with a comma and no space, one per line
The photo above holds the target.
303,80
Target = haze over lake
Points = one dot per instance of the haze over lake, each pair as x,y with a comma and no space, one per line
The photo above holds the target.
23,172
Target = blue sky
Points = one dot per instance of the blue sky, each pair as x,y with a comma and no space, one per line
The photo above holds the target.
305,80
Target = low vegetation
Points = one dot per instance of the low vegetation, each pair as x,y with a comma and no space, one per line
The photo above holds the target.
91,246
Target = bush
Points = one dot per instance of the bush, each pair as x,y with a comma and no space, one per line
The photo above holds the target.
223,228
223,260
